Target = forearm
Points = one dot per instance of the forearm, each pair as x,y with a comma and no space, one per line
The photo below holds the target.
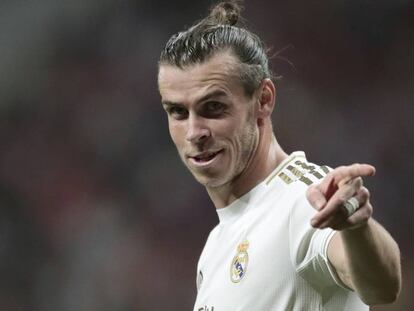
370,263
364,255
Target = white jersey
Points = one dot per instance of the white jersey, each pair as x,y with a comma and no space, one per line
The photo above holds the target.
265,256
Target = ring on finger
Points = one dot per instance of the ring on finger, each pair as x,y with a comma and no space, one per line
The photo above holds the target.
351,205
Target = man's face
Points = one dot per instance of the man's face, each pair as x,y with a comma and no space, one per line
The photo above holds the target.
211,120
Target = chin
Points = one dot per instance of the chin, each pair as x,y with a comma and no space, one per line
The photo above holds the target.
211,182
208,182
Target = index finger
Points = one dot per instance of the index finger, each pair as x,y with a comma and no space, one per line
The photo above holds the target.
344,174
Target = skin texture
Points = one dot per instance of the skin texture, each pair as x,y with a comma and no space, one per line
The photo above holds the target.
363,253
226,140
208,111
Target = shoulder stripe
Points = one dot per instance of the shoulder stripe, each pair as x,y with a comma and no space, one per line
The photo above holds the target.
285,178
297,168
325,169
306,180
282,168
295,171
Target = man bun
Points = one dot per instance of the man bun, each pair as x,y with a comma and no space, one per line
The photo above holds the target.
221,30
226,13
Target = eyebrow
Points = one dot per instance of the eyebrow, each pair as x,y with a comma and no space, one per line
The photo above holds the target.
213,94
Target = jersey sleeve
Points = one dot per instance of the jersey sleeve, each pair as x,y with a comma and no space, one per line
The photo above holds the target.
309,246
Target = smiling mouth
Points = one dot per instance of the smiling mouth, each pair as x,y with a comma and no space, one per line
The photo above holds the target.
205,157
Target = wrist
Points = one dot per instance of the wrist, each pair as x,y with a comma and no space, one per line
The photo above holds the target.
358,229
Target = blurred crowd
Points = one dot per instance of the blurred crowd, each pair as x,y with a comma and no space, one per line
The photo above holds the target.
96,210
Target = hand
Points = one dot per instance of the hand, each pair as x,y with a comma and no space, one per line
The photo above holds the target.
336,188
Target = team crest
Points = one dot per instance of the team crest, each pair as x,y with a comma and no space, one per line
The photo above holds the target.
239,264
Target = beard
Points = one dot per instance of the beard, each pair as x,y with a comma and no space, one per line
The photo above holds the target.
238,154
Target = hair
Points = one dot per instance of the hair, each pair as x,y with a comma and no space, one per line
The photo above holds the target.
220,31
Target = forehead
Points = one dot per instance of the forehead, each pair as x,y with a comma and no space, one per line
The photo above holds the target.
218,73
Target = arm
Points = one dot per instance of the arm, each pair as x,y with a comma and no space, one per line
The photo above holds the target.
363,253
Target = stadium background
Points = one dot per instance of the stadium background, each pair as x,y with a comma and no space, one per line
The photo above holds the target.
96,210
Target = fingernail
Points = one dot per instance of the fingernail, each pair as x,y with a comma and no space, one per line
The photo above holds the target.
314,223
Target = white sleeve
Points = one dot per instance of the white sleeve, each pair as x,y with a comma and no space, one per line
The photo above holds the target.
309,246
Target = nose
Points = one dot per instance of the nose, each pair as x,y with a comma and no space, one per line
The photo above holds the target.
197,131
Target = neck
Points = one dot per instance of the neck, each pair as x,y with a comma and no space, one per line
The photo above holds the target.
266,157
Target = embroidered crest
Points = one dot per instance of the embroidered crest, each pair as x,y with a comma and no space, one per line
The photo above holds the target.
239,264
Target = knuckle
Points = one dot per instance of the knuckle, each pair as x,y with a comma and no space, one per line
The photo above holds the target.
356,184
312,199
341,168
330,175
314,190
365,192
341,200
356,166
370,209
359,182
366,211
310,191
337,171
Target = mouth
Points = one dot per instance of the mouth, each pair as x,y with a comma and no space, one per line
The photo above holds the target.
205,158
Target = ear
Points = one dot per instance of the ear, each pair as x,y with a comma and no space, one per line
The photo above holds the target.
266,99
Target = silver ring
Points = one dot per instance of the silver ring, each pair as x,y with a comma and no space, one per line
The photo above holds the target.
351,205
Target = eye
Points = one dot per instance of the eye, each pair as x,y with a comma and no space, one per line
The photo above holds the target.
177,112
214,109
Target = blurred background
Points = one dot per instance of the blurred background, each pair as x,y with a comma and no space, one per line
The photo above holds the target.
96,210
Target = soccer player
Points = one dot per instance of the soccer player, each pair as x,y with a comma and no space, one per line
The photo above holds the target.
292,235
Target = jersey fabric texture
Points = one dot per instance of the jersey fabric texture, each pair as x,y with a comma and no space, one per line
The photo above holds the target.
265,256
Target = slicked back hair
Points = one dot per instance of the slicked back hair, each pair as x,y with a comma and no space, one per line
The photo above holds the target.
217,33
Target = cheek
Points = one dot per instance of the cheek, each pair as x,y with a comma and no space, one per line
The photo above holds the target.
247,140
176,133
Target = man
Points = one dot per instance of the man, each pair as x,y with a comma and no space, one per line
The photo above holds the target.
292,235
